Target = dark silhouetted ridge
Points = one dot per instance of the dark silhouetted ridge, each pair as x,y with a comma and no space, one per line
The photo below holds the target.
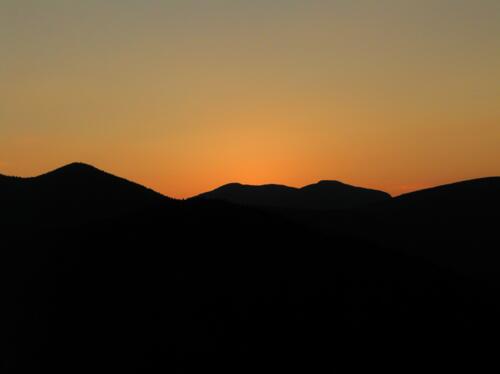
73,192
454,224
323,195
481,190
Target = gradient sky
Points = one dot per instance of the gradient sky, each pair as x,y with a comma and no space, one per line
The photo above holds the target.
186,95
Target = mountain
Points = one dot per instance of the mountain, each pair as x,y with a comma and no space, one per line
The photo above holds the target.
127,280
471,194
324,195
453,225
75,191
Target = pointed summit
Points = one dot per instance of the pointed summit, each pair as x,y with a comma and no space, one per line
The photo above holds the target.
74,169
79,165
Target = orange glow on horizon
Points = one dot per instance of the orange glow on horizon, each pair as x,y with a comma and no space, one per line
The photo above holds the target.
184,96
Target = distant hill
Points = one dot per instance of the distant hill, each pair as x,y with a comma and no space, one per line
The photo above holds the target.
324,195
73,192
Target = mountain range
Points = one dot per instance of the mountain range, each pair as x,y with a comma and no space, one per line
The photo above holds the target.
100,272
324,195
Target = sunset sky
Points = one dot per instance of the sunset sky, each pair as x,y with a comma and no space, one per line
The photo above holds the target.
186,95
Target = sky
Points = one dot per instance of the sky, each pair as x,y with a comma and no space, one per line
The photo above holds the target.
187,95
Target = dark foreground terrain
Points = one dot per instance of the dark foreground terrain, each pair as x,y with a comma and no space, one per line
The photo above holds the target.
102,275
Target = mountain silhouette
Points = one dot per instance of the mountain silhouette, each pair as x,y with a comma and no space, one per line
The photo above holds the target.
324,195
97,271
75,191
454,224
473,194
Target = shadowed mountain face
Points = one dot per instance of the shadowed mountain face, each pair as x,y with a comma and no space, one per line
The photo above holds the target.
455,224
127,280
73,192
325,195
471,194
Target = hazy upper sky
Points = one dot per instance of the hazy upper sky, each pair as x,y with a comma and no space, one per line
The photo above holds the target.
185,95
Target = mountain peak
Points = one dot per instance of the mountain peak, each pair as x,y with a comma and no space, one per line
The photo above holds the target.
78,192
79,165
76,167
231,185
329,181
73,168
326,182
